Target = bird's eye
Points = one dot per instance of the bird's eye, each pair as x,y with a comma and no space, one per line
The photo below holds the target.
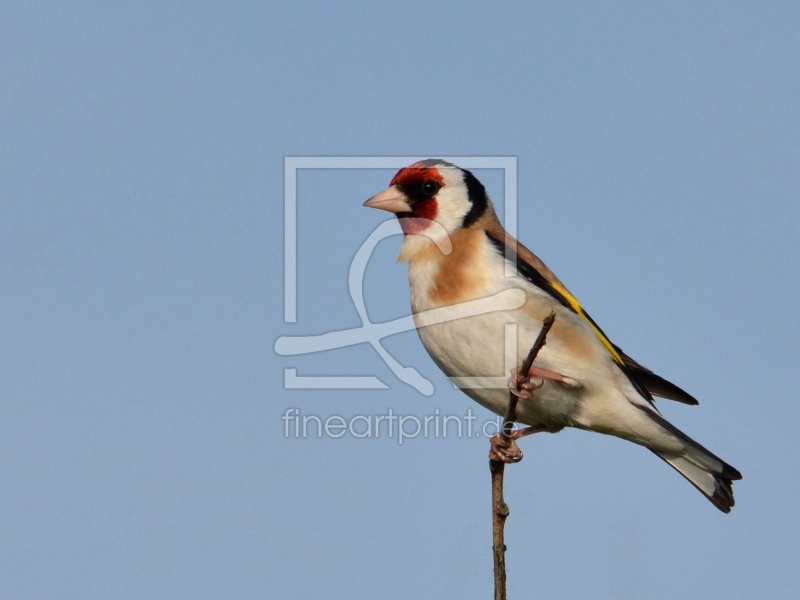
430,187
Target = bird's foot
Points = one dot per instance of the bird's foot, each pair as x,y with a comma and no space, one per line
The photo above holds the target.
504,450
523,386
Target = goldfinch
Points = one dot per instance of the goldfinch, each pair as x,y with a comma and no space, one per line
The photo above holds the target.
581,379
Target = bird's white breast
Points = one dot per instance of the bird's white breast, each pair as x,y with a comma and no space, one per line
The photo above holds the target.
476,346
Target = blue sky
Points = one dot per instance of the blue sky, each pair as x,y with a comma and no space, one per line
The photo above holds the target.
142,451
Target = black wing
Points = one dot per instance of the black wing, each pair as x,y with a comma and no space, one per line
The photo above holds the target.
655,384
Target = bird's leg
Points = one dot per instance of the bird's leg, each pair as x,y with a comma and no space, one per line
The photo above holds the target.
520,433
504,447
523,387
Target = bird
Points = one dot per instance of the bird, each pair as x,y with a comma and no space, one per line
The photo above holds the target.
581,379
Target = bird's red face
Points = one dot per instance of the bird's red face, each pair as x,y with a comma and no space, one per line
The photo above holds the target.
434,198
412,196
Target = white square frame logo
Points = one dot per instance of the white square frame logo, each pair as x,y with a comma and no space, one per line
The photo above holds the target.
508,164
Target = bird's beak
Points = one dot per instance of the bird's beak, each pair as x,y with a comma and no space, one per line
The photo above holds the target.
390,199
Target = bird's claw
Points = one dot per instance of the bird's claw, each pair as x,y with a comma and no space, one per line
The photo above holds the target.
523,386
505,451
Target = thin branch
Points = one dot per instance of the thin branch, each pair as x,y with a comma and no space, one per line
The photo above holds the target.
500,510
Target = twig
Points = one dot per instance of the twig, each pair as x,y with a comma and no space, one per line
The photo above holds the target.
500,510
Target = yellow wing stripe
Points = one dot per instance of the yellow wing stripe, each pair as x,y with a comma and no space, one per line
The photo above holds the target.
576,306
